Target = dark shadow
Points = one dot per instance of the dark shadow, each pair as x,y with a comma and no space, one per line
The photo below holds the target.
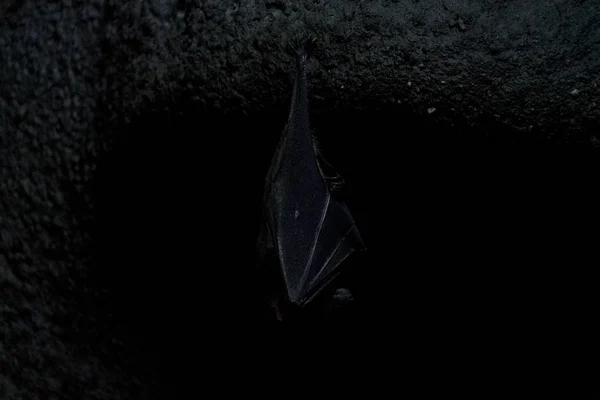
177,208
460,225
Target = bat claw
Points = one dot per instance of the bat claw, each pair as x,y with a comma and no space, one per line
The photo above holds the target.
306,46
310,44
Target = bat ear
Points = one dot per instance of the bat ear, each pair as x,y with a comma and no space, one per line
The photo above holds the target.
342,296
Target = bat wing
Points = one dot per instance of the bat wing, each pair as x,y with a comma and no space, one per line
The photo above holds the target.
311,231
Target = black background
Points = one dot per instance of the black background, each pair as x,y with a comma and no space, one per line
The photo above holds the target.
134,139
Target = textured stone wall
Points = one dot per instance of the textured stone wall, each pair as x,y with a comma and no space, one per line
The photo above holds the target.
76,78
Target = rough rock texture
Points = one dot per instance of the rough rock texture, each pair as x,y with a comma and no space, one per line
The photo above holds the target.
90,88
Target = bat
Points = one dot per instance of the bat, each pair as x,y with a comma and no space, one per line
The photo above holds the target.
307,230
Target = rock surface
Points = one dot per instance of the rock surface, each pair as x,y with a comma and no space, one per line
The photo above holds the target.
85,85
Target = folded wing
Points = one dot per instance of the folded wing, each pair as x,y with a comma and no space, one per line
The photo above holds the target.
312,231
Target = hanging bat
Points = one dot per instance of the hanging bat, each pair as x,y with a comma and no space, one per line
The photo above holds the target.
307,231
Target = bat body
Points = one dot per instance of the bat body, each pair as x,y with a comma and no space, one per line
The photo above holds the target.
307,231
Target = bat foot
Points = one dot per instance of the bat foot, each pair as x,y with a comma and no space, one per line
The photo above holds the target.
303,47
309,45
